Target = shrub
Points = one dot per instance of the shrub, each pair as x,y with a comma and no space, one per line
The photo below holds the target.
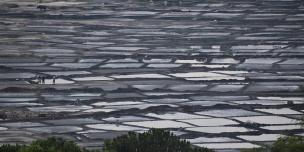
289,144
283,144
48,145
52,145
10,148
256,150
155,140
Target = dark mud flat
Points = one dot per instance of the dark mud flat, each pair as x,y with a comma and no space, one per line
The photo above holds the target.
223,74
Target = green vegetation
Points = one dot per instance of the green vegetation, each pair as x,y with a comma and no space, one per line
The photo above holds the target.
48,145
289,144
10,148
256,150
155,140
283,144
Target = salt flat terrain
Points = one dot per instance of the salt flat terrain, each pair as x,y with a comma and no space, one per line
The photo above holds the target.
222,74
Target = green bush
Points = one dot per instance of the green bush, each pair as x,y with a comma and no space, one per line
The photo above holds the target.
155,140
10,148
256,150
289,144
52,145
48,145
283,144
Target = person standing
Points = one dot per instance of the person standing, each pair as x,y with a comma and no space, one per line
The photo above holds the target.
43,79
54,79
39,79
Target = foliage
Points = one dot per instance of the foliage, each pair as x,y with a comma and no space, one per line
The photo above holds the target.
283,144
155,140
52,145
48,145
10,148
256,150
289,144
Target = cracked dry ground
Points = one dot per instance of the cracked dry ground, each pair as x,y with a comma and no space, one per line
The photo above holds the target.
222,74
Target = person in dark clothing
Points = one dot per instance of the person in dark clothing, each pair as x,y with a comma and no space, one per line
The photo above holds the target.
39,79
43,79
54,79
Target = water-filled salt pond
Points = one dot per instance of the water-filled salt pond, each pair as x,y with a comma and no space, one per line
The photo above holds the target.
127,119
282,127
228,113
22,124
175,116
263,137
210,122
93,78
55,129
212,140
134,76
115,127
67,108
205,76
159,124
221,129
267,119
229,145
286,111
